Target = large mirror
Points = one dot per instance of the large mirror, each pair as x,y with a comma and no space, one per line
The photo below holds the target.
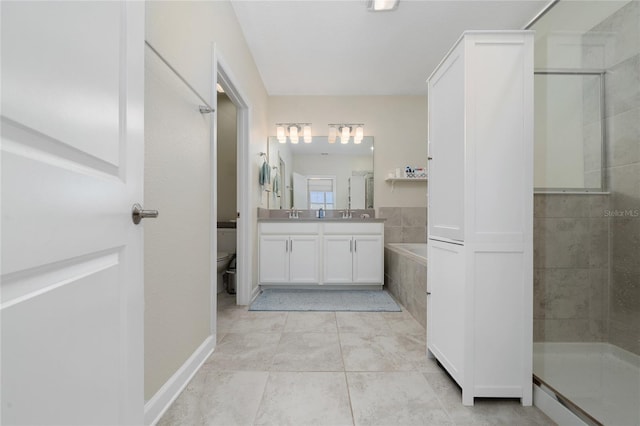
320,175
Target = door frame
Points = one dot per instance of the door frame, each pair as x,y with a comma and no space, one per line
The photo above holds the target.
222,74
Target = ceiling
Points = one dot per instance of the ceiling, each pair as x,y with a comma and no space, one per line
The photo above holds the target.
338,47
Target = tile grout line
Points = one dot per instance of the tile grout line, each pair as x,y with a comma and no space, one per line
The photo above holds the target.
344,371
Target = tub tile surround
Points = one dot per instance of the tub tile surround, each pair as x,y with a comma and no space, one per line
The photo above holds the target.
406,279
404,224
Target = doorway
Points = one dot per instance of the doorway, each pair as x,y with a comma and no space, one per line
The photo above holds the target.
227,166
225,79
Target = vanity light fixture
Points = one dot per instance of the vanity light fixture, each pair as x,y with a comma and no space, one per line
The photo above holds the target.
295,130
344,130
382,5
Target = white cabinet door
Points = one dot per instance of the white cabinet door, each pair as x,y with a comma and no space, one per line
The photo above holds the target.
338,262
304,259
274,259
446,277
446,147
72,166
367,259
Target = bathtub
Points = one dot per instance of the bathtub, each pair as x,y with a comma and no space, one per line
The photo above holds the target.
405,276
416,251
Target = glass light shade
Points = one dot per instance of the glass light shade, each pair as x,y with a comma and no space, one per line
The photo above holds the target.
307,134
293,134
333,133
357,140
280,132
345,133
359,132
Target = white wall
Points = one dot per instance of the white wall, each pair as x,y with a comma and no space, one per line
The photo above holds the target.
184,33
227,159
176,251
397,123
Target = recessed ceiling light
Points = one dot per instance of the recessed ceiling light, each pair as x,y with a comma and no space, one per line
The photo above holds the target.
382,5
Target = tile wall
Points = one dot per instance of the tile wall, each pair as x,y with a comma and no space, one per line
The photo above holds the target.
406,279
571,261
404,224
620,58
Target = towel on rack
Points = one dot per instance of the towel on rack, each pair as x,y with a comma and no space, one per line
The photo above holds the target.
276,184
264,176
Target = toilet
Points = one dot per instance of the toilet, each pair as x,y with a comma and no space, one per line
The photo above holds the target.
226,251
222,262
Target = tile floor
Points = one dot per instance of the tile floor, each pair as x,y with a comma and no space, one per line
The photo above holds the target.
329,368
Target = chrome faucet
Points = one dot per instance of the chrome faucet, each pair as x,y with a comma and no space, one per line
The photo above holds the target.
294,214
346,214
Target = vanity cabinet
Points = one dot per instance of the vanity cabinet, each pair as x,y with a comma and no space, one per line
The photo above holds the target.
480,246
339,254
289,258
353,253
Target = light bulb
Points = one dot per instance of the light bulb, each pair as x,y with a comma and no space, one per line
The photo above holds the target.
282,138
333,133
293,134
307,134
359,133
345,134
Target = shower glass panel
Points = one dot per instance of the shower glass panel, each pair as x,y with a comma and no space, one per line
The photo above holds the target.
569,131
587,208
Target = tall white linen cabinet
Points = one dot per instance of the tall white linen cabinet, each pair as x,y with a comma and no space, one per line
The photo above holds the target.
480,243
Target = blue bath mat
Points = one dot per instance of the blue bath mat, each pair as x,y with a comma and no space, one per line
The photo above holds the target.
324,300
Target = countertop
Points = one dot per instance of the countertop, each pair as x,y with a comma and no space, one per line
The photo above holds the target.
324,219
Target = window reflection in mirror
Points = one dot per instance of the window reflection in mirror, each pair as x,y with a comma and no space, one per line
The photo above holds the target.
321,175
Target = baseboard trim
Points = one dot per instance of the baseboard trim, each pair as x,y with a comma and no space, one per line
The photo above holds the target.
254,294
162,400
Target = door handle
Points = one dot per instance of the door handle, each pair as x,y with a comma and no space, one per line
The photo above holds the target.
137,214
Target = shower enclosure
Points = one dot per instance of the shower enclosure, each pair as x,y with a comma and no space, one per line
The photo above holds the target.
587,209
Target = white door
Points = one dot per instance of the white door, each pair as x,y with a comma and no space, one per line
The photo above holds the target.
274,259
446,147
304,259
300,193
72,166
338,263
368,264
446,278
357,192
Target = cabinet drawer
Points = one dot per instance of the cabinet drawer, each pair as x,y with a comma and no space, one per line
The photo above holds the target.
289,228
353,228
